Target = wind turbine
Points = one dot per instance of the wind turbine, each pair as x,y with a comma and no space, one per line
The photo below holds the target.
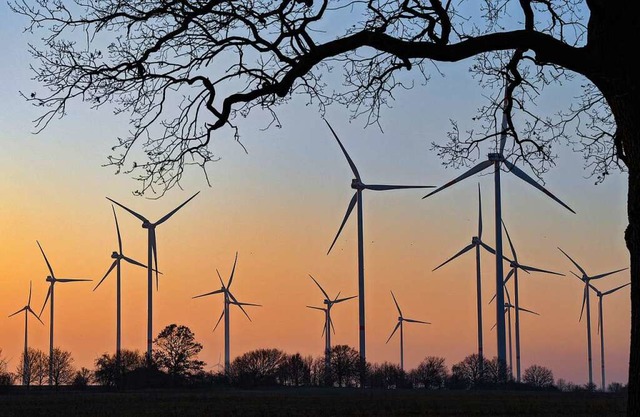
25,362
586,279
477,243
51,279
601,323
328,323
507,310
228,300
515,265
356,200
117,258
152,260
400,325
496,160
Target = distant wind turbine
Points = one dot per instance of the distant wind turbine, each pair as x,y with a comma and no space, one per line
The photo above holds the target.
152,263
51,279
586,279
507,310
400,325
496,160
477,243
25,362
117,258
356,200
328,323
515,266
601,323
228,300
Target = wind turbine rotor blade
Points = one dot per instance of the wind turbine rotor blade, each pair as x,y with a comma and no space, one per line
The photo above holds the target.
494,326
172,212
396,303
528,268
599,319
481,166
233,270
594,289
117,229
326,296
352,204
317,308
46,260
394,331
493,252
416,321
492,298
509,275
347,298
139,216
247,304
344,151
218,322
113,265
466,249
154,250
381,187
607,273
331,324
220,278
134,262
528,311
34,315
209,293
46,299
616,289
523,176
19,311
479,213
235,301
574,262
29,299
584,300
73,280
577,276
513,250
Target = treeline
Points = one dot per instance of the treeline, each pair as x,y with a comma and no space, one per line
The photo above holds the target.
175,363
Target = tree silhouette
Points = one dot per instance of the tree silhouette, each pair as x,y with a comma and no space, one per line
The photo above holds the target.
431,373
176,351
63,371
538,376
37,370
218,60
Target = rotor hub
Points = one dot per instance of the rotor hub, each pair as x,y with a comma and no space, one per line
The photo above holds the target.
356,184
495,157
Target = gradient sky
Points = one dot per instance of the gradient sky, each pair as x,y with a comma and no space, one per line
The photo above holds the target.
279,206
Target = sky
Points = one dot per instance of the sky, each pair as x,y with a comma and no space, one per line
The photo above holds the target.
279,206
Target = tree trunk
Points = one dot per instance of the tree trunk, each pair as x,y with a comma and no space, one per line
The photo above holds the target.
632,237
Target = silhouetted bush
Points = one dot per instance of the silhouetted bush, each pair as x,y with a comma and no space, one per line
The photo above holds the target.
431,373
538,377
82,378
387,375
296,370
257,368
106,371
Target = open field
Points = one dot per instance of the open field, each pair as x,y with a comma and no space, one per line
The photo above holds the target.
309,402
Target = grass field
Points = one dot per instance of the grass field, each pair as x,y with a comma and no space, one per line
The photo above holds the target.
308,402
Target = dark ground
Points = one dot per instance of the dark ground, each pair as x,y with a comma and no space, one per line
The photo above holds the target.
308,402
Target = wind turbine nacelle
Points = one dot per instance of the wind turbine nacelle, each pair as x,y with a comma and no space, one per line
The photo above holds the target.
356,184
475,240
146,225
50,279
115,255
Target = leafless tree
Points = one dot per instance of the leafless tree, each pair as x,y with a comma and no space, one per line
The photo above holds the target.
63,371
538,376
